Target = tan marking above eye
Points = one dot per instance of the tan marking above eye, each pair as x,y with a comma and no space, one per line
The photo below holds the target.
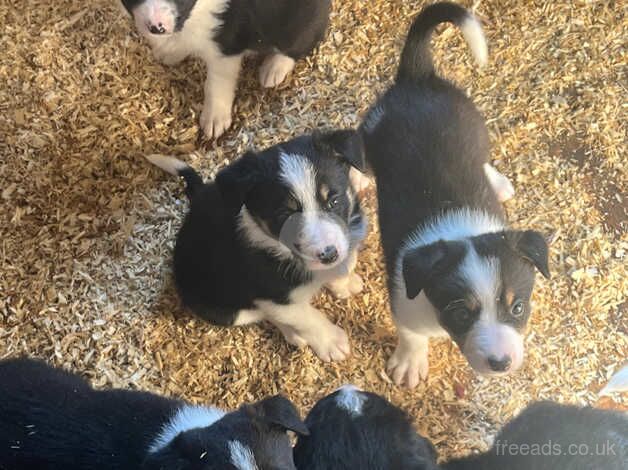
509,296
471,303
324,191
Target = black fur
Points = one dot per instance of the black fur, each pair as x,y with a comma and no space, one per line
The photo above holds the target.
381,437
217,271
556,437
51,419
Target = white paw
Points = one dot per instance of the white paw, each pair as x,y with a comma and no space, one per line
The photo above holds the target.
330,344
215,120
500,183
359,181
274,69
345,287
408,366
292,337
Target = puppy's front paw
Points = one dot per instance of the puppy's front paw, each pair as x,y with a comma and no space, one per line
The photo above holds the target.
274,69
347,286
408,366
215,120
330,344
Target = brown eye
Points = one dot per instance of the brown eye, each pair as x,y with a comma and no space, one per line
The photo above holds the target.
517,308
332,202
462,316
292,204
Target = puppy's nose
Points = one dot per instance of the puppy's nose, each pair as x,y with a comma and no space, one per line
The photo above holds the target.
499,365
328,255
157,29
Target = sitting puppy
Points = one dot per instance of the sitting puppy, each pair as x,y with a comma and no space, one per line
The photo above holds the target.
351,429
220,32
549,436
453,265
269,233
52,419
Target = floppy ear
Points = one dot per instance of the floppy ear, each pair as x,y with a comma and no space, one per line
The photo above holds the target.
279,411
236,180
420,264
531,246
347,145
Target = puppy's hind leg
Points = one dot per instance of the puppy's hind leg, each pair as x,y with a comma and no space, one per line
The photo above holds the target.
274,69
500,183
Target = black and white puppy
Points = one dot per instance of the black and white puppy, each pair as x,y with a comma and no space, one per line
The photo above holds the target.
453,265
549,436
275,226
351,429
51,419
220,32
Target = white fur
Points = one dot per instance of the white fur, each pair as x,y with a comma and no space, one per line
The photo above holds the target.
154,12
186,418
298,173
473,34
351,399
274,69
499,182
168,164
490,338
241,456
483,278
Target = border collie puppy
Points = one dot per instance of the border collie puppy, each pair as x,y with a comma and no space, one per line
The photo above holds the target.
220,32
453,265
549,436
351,429
260,242
52,419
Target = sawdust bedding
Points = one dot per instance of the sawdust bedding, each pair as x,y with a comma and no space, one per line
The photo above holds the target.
87,226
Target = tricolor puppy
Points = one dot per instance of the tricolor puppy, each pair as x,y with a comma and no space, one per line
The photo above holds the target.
52,419
549,436
351,429
453,265
220,32
261,241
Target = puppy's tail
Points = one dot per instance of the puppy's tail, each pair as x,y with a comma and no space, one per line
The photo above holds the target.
416,58
193,180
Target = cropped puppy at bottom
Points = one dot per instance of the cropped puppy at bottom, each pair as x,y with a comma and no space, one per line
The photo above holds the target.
221,32
51,419
259,242
351,429
453,265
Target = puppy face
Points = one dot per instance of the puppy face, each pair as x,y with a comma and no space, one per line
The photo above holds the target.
159,17
352,429
481,288
298,196
252,438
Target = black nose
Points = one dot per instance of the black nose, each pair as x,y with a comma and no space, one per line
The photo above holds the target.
499,365
328,255
158,29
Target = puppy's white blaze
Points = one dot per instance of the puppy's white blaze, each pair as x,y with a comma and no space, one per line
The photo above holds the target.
298,173
187,417
168,164
493,339
350,399
473,34
241,456
482,276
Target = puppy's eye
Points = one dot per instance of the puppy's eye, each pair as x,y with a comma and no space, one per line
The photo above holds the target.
292,205
462,316
332,202
517,308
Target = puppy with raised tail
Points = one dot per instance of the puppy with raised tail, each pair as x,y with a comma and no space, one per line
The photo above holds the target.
275,226
453,265
221,32
52,419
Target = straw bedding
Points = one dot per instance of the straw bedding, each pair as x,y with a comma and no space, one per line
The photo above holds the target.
87,225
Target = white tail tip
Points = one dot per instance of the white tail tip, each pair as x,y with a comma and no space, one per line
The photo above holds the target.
473,34
166,163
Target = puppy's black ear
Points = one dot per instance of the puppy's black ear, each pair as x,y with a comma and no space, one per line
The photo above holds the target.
531,246
237,179
420,264
347,144
279,411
